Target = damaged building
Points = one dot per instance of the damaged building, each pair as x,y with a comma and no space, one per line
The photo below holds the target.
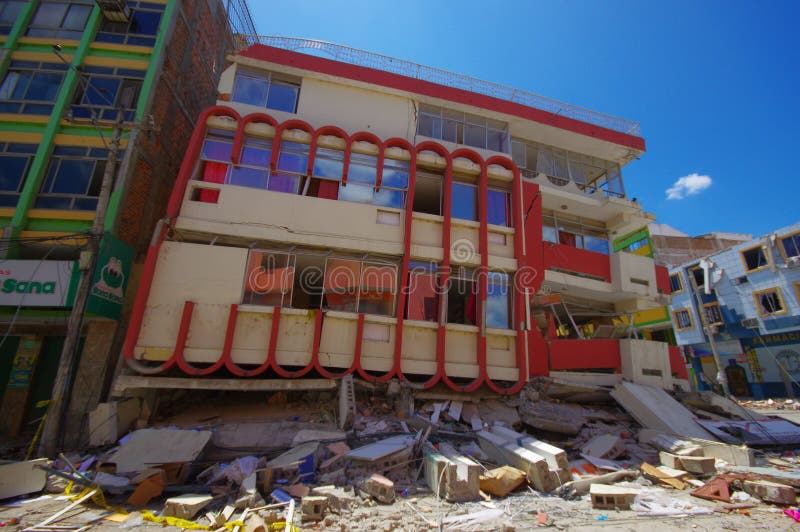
347,213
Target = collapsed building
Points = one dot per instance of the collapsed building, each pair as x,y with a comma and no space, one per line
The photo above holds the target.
365,215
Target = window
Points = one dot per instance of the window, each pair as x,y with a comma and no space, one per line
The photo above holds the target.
292,165
682,319
561,166
9,11
464,202
754,259
267,89
360,286
73,179
790,246
428,193
675,283
462,301
269,279
140,30
462,128
30,87
713,314
498,207
15,159
769,302
575,232
698,275
101,95
64,20
498,301
423,292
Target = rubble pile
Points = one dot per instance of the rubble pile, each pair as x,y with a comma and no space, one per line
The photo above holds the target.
389,458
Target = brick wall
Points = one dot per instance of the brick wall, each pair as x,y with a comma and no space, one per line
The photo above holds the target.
193,60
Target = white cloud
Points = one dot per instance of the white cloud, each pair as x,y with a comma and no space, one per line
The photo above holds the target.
688,186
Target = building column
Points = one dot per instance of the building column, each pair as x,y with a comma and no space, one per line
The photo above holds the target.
89,379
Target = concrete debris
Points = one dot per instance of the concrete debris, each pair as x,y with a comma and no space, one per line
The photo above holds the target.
447,461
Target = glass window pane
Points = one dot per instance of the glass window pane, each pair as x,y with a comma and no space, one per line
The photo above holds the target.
145,23
423,299
73,177
216,150
49,14
342,278
12,169
76,18
356,193
378,285
250,89
283,97
256,156
475,136
518,153
101,91
496,140
292,162
395,174
598,245
549,234
329,163
465,202
498,208
389,198
362,169
269,278
10,11
429,126
498,301
284,183
452,131
44,87
248,177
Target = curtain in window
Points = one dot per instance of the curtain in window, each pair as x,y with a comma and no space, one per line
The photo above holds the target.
213,173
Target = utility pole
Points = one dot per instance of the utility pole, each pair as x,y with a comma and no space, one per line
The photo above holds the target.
708,332
59,400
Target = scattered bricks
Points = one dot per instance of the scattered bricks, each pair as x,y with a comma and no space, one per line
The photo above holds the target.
186,506
254,523
607,497
556,458
656,475
379,487
502,480
607,446
500,451
714,490
339,500
313,507
699,465
332,463
771,492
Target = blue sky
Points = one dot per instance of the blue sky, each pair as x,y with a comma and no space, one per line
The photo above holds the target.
715,84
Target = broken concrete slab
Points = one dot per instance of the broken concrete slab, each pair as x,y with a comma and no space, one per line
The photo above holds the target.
21,478
739,455
503,451
556,458
308,435
502,480
656,409
493,411
771,492
108,422
339,500
451,475
148,447
186,506
655,474
300,462
607,446
581,487
699,465
606,497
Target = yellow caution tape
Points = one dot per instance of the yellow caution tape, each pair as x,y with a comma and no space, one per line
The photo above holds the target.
173,521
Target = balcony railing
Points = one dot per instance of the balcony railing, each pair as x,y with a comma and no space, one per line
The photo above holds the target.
362,58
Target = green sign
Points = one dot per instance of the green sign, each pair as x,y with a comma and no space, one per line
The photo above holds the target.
110,278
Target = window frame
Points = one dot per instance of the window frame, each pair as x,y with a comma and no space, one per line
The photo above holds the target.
269,78
764,252
692,280
449,125
795,236
128,36
706,306
59,32
758,293
7,150
24,102
677,323
679,277
70,153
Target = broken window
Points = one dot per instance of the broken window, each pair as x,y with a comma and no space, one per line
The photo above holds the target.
498,207
713,314
576,233
769,302
423,292
791,246
462,297
698,275
675,283
428,193
754,259
683,319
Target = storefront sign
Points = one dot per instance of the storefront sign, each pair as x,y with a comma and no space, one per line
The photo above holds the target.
38,283
110,278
